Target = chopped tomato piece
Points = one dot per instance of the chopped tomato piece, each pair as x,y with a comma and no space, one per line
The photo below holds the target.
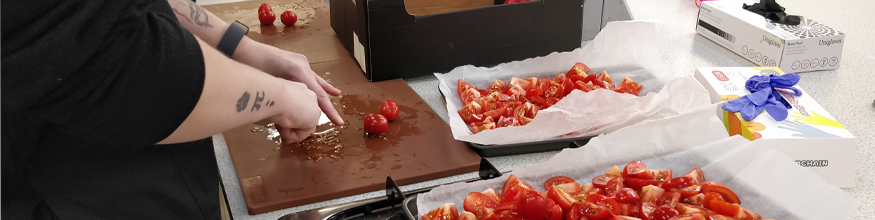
497,86
696,174
723,190
627,195
636,183
447,211
633,168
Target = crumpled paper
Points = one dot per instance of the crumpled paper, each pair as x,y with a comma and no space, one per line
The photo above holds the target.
768,182
623,49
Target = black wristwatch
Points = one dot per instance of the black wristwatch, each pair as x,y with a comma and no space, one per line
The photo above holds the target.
232,38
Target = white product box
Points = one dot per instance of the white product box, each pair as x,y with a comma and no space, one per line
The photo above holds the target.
809,135
808,46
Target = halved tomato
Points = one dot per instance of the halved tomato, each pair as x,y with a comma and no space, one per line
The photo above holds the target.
709,196
496,113
697,200
627,195
724,208
636,183
534,206
560,197
470,117
470,216
690,216
516,90
558,180
554,91
605,201
497,86
578,69
697,174
492,194
723,190
646,210
587,210
480,204
522,83
462,86
446,211
670,199
601,180
509,215
614,186
513,181
634,168
679,182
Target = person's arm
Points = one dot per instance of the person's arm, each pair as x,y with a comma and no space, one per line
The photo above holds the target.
279,63
235,94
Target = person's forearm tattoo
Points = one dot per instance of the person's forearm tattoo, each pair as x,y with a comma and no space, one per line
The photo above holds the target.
197,13
257,104
243,102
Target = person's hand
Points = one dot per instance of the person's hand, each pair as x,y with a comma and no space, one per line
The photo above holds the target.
299,114
294,67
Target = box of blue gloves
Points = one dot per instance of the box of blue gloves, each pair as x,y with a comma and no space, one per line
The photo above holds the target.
764,105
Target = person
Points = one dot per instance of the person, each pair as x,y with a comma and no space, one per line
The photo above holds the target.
108,106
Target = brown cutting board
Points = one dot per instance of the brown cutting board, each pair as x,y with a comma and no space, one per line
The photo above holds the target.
340,160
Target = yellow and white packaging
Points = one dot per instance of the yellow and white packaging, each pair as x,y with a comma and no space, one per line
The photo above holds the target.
809,135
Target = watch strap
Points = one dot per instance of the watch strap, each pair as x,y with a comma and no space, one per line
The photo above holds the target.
232,38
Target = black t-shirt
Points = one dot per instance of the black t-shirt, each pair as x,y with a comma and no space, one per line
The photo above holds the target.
88,88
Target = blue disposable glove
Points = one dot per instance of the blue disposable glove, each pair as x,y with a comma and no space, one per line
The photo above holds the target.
763,96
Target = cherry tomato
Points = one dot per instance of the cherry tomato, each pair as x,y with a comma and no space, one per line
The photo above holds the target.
534,91
709,196
445,212
629,209
557,180
669,198
389,109
289,18
697,200
497,86
646,210
533,206
679,182
511,182
627,195
587,210
664,213
376,124
554,213
266,15
614,186
610,204
636,183
560,197
491,193
601,180
481,205
578,69
724,208
468,216
633,168
696,174
723,190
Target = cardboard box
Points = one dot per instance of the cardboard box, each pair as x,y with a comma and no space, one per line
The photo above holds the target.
809,46
809,135
388,42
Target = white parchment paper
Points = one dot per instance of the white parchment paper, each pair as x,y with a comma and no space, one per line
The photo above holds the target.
623,49
767,181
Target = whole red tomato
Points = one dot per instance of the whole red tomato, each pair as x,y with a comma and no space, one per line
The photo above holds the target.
389,108
289,18
266,15
376,124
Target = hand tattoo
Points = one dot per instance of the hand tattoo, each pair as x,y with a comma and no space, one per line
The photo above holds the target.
196,12
243,102
257,104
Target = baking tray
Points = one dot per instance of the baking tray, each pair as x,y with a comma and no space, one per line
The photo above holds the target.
527,147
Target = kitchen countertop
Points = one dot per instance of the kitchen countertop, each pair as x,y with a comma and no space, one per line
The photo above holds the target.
845,93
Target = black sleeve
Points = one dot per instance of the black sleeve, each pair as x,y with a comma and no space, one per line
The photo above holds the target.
119,72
